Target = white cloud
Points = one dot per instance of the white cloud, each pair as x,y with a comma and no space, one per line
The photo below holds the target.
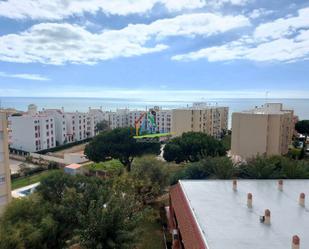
285,40
60,9
24,76
54,43
257,13
283,26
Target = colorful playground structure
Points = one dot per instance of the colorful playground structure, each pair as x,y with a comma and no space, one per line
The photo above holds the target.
146,127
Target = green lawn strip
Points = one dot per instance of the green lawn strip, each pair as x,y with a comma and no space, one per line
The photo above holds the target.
153,135
24,181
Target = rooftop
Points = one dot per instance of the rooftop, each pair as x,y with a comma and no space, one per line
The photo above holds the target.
269,108
73,166
225,221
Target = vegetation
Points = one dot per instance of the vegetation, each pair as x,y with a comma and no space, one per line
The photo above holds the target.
121,210
24,181
302,127
109,168
275,167
192,146
119,144
102,126
69,210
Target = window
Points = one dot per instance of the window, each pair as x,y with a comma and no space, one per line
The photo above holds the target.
47,127
2,179
47,134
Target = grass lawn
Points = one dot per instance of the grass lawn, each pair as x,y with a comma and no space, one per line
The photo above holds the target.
22,182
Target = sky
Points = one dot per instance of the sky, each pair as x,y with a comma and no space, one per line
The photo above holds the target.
158,49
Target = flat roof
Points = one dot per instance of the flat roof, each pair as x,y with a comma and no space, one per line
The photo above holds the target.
73,166
225,221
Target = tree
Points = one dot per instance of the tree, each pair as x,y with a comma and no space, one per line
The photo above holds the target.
119,144
27,223
152,177
192,146
221,167
102,126
72,210
302,127
260,167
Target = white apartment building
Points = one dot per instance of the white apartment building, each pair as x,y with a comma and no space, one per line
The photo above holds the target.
32,132
5,174
35,131
97,116
120,118
60,125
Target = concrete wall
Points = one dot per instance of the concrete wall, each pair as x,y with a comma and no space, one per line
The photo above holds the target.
253,134
249,135
181,121
5,175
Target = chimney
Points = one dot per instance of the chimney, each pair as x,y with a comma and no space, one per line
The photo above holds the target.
295,242
267,217
302,199
280,185
235,185
249,200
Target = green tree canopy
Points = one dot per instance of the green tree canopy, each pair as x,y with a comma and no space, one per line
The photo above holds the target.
119,144
102,126
152,177
67,210
302,127
192,146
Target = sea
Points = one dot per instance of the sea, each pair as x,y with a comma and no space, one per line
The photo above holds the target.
300,106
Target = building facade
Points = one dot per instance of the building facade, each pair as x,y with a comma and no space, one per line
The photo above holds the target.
5,174
212,120
265,130
34,131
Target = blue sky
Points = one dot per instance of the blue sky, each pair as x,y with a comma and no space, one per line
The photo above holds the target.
154,49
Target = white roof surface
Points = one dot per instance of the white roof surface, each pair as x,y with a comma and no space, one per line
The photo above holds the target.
227,223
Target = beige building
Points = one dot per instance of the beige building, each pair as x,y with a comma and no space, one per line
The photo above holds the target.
200,118
5,178
265,130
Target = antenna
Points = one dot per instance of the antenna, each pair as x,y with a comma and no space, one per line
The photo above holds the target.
266,96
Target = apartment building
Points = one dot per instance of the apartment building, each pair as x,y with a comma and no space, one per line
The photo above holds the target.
96,116
5,175
120,118
35,131
265,130
201,117
163,120
60,125
32,132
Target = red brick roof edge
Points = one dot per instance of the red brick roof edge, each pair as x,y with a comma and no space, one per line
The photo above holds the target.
189,229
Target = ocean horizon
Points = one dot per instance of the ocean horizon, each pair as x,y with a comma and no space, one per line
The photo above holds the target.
70,104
